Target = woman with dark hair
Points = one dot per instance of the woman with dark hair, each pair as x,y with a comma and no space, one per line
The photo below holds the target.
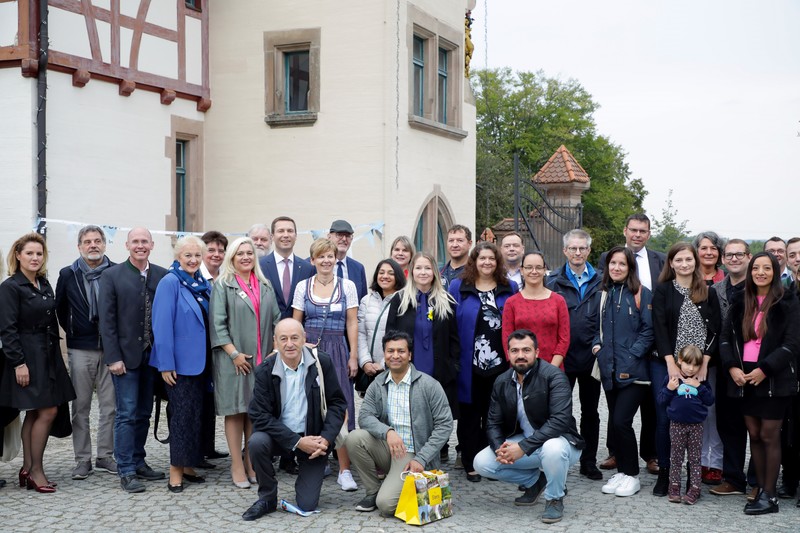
537,308
760,346
372,315
685,311
480,294
709,247
622,349
35,379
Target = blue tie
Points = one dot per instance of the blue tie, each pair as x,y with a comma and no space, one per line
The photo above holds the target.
339,270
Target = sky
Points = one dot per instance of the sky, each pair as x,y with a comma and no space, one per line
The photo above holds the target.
702,95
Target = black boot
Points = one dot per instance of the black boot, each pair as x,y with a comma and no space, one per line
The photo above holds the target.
662,483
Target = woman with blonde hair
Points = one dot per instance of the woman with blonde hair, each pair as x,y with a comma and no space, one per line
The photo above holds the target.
243,314
35,379
328,307
426,311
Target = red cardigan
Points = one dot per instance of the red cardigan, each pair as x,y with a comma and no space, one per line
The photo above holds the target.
548,319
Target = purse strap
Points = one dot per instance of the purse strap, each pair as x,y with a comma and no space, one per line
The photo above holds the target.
323,403
375,331
603,296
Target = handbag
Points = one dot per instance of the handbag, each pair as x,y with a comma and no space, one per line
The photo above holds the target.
343,431
62,424
12,440
363,380
426,497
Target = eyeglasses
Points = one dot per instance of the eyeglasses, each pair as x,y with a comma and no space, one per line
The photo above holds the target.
575,249
776,252
537,268
737,255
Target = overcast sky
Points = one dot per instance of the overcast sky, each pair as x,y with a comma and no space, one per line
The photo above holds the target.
704,96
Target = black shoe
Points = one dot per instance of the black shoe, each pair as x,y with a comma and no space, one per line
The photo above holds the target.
175,488
662,483
474,478
148,474
591,471
259,509
216,455
762,505
367,504
532,493
785,492
131,484
191,478
205,465
2,483
444,455
290,467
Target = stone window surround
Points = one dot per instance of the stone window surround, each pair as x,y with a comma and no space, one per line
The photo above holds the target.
191,131
276,45
436,35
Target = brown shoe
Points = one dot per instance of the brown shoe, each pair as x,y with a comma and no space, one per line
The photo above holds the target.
652,466
610,463
725,489
753,494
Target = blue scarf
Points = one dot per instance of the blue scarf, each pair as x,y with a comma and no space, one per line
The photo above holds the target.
197,285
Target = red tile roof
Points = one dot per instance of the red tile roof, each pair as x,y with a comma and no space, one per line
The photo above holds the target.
562,167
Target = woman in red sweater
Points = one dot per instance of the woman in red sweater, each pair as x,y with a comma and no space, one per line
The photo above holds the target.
540,310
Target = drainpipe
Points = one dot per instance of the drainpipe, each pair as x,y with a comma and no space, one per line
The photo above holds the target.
41,119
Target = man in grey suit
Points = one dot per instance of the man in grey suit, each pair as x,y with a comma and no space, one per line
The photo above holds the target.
127,291
282,267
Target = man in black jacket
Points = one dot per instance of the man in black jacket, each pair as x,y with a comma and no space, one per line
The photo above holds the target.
286,413
532,402
77,297
579,284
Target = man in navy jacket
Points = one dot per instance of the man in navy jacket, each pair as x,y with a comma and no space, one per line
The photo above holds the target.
126,307
282,267
341,234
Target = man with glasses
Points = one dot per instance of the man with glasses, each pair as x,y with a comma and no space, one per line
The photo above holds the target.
579,284
730,422
341,234
777,247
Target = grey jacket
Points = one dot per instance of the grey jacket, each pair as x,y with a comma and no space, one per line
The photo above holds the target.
431,420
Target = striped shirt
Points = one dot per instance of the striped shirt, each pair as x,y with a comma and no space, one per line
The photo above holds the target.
399,408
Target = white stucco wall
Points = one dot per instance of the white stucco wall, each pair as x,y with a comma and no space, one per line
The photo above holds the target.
9,20
343,166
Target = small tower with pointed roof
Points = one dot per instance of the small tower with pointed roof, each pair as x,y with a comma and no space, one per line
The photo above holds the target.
562,179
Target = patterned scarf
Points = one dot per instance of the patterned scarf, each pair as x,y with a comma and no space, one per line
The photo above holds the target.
197,285
91,279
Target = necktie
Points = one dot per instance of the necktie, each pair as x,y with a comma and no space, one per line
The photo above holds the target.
339,270
287,280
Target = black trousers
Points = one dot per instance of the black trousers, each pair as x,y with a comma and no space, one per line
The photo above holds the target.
733,434
790,445
647,432
308,484
623,402
472,417
589,396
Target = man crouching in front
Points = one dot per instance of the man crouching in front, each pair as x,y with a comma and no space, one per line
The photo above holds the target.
532,402
287,416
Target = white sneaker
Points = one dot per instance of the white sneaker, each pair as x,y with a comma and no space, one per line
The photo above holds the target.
629,486
346,481
611,486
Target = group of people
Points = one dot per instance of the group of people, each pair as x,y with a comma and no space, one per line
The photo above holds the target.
280,346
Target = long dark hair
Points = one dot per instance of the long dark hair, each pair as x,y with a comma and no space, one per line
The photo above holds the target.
698,291
399,277
751,307
632,281
470,275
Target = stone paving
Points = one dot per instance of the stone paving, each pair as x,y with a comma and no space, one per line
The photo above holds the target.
98,504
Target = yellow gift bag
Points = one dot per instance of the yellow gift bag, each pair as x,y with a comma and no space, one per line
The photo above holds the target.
426,497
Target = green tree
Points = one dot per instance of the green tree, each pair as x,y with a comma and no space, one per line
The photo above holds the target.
667,230
532,115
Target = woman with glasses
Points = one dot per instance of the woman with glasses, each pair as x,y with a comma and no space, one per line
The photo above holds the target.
685,311
759,348
537,308
480,294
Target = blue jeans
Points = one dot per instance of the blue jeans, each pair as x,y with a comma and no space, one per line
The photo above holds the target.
553,458
658,373
134,395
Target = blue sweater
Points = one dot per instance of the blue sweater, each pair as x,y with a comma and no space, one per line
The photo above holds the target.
686,404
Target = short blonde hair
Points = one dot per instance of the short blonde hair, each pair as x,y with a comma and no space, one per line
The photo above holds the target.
321,246
16,248
185,241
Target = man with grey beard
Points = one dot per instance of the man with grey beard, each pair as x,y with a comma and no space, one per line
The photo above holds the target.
77,309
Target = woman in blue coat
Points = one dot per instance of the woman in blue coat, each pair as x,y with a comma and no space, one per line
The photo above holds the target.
480,294
626,334
180,351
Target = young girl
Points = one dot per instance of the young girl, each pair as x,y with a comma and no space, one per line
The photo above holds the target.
687,400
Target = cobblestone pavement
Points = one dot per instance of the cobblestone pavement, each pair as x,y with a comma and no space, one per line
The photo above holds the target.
98,504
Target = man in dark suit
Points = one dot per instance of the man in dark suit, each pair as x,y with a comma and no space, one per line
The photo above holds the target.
649,264
282,267
341,234
127,291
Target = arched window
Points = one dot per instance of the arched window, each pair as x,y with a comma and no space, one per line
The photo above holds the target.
431,231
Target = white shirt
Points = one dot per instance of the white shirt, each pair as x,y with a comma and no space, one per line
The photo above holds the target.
280,265
643,267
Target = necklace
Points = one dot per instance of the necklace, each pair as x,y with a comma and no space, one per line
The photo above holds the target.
324,283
